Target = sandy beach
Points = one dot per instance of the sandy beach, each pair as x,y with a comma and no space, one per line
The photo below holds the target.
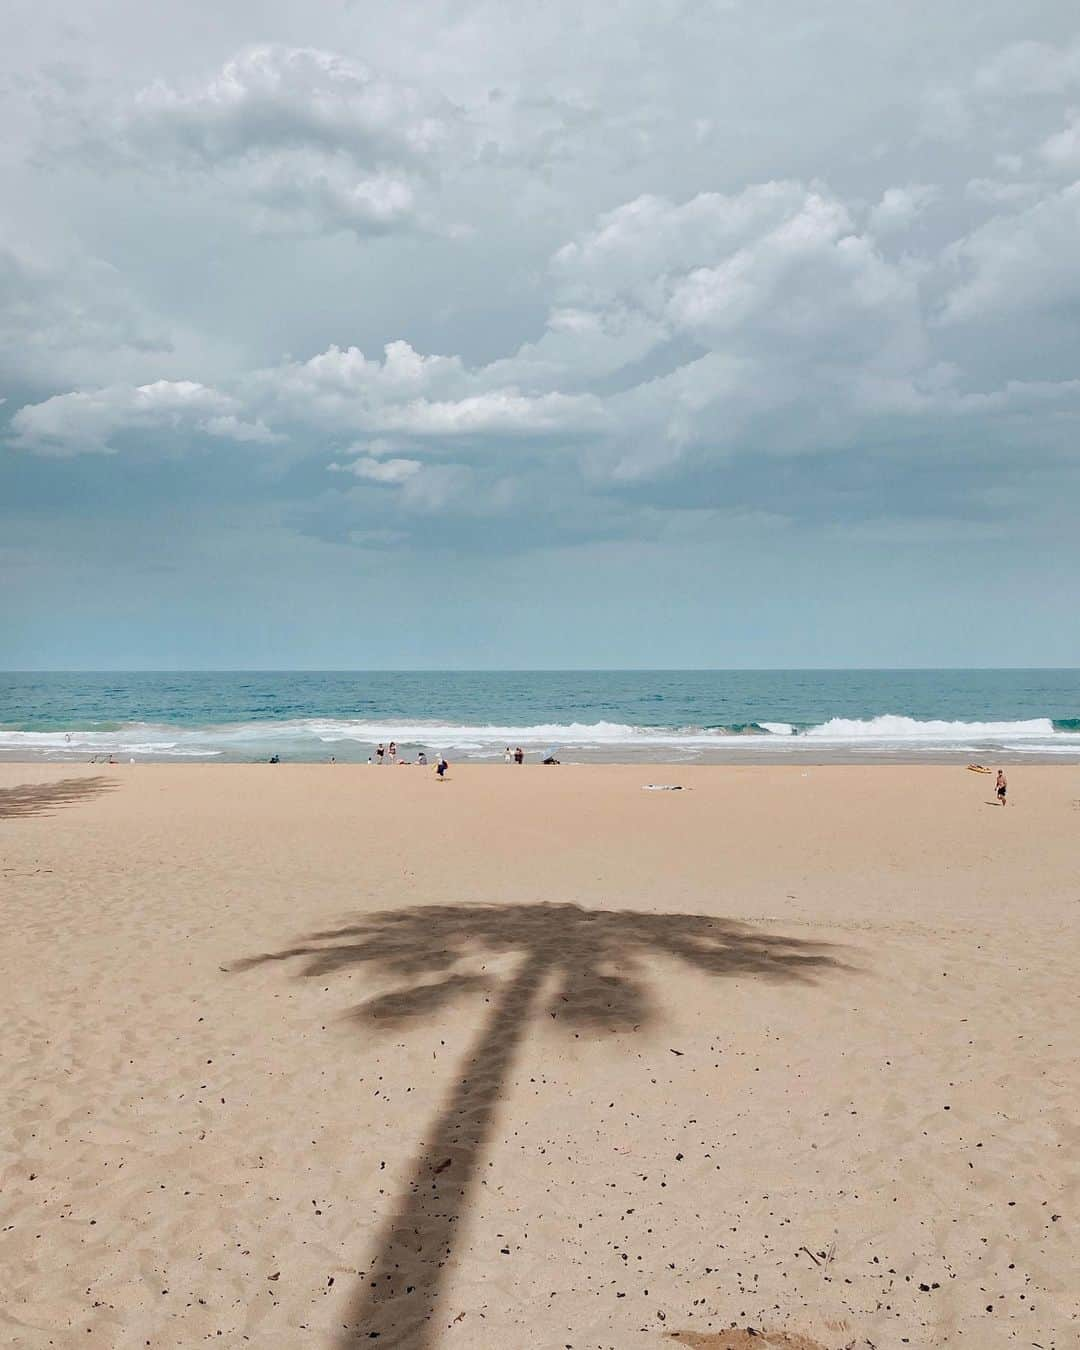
330,1055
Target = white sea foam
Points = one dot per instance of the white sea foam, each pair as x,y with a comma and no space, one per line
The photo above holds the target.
1043,748
894,728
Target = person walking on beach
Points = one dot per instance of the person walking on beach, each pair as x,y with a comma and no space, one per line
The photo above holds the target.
519,756
441,768
1002,786
380,751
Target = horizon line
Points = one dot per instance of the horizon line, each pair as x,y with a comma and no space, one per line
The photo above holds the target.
516,670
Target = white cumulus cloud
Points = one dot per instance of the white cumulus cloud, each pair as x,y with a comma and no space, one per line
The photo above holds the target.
380,470
88,422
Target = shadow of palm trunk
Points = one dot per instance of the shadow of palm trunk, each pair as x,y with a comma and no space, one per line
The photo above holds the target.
397,1300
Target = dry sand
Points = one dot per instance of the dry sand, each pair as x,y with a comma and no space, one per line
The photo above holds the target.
532,1058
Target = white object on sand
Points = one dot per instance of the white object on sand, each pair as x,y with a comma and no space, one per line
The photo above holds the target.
662,787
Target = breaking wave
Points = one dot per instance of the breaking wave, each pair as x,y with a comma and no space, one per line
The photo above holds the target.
894,728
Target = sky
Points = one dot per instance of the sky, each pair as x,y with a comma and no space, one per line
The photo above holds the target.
466,334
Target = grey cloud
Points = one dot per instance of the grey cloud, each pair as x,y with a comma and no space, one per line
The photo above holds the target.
71,320
900,206
1061,150
1002,192
316,141
296,196
279,98
1013,261
1030,67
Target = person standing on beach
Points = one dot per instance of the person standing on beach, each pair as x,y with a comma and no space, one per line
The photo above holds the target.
1002,786
508,756
441,768
393,751
380,751
519,756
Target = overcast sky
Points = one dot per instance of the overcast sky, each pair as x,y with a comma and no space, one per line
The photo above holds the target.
740,333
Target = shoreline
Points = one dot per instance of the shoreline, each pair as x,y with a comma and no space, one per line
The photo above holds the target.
811,757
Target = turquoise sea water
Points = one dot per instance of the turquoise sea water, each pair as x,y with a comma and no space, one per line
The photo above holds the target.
580,715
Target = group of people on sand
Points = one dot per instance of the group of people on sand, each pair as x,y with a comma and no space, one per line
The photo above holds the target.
388,754
517,756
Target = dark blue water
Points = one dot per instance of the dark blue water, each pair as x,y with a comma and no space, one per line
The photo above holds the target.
581,714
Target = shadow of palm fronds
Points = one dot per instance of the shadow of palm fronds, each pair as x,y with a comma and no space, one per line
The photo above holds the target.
596,957
37,799
591,966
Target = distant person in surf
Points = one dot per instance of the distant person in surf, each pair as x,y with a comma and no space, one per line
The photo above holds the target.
393,751
1002,786
519,756
508,756
380,752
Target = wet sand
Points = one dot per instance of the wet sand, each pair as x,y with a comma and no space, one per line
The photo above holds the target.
299,1053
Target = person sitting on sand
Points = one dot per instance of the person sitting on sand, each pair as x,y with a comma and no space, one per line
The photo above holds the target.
1002,786
421,758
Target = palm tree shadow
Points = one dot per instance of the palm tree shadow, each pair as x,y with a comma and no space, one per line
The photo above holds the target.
592,967
37,799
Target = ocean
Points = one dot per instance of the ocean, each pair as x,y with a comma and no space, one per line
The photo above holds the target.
733,716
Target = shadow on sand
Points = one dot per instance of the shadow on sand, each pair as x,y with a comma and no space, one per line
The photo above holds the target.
39,799
586,968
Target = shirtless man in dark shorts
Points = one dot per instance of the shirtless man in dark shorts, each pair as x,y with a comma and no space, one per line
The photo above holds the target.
1002,786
